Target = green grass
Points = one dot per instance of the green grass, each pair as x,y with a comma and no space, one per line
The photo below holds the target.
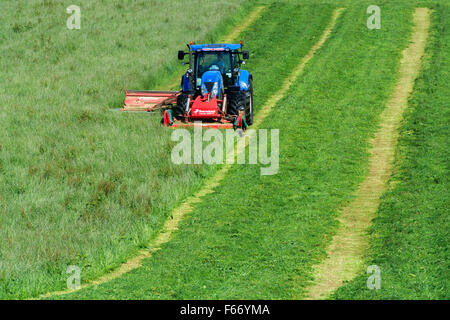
410,236
80,184
259,236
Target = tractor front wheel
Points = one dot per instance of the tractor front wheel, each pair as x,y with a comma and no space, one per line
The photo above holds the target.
240,100
249,106
179,109
235,102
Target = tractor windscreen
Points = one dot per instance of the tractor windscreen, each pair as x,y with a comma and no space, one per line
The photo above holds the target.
210,61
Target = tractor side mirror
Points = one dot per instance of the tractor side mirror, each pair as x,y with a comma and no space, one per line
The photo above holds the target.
245,54
180,55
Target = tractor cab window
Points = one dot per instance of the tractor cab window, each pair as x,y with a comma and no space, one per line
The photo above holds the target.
235,60
213,61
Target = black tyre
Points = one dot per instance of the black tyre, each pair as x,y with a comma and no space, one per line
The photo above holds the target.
236,101
249,105
179,109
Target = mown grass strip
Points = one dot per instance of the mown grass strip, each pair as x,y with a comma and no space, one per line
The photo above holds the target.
409,239
249,20
345,254
267,108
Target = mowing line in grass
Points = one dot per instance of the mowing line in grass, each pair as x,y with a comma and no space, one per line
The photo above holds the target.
346,251
265,110
250,19
178,214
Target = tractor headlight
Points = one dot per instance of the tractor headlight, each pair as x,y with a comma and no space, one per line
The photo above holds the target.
215,89
204,91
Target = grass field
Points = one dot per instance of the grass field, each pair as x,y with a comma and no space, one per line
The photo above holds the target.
83,185
261,241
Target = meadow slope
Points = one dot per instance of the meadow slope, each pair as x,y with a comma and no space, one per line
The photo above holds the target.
83,185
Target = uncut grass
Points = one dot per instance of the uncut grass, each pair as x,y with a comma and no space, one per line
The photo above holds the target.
80,184
410,236
257,237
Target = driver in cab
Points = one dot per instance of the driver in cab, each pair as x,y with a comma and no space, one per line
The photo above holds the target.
219,63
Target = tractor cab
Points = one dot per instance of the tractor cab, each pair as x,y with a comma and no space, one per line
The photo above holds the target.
213,61
218,63
210,70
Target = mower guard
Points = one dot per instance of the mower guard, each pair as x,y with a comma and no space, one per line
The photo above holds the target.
212,125
204,109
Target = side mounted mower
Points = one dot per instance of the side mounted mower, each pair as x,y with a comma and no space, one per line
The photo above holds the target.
215,91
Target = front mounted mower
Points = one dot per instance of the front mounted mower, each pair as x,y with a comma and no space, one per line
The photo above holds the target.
215,91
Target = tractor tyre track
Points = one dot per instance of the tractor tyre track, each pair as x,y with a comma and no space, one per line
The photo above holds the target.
346,251
186,207
252,17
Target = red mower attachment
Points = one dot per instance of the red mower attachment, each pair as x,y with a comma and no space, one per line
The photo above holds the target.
148,100
205,112
204,109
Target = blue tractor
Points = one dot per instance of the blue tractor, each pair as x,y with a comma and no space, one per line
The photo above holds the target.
215,89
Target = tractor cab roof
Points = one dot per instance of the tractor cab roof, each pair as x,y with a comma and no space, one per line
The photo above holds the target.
215,47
